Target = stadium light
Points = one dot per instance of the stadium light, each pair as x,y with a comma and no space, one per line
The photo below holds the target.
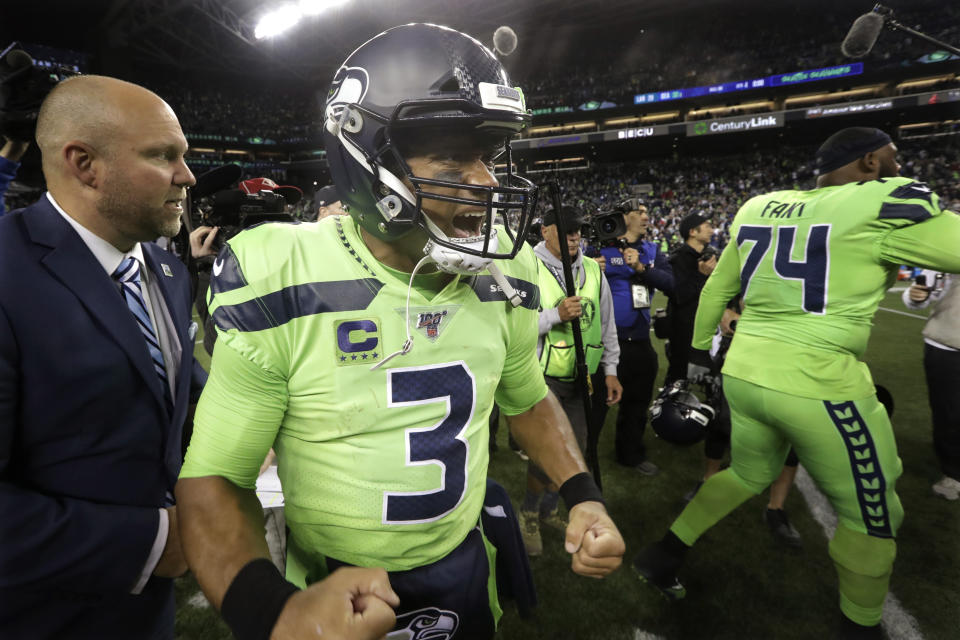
316,7
277,21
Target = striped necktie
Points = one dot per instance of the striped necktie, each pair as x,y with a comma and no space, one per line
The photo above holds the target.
128,275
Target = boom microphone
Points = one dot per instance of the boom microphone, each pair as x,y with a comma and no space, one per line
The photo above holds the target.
504,40
862,35
865,30
17,59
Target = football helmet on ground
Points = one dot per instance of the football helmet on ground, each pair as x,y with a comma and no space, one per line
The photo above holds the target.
678,416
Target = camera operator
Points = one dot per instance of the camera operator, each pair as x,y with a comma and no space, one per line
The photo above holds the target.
692,264
225,214
23,87
941,363
10,155
634,267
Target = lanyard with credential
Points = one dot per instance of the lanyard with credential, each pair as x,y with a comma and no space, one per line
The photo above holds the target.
558,275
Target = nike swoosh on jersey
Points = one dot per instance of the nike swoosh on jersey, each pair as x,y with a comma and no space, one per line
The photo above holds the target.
217,267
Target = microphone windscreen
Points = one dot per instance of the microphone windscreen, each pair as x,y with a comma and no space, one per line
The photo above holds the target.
504,40
18,59
862,35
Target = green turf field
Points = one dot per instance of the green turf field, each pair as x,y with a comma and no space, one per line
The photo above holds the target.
740,584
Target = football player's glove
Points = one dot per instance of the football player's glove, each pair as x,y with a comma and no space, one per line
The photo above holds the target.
410,83
678,416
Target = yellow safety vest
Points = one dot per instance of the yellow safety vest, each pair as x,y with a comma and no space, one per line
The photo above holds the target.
558,359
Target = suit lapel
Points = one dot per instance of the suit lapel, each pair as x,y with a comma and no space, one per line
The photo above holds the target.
71,262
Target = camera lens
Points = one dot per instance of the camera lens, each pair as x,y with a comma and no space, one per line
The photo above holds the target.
608,226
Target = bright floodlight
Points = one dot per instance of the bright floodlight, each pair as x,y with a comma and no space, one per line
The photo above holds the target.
277,21
315,7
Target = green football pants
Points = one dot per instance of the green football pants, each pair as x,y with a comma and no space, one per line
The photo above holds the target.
848,448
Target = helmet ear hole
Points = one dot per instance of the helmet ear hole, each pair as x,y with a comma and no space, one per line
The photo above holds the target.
352,121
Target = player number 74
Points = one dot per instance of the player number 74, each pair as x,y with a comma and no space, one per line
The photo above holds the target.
813,271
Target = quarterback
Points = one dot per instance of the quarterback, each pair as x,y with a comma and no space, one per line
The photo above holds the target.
368,351
813,266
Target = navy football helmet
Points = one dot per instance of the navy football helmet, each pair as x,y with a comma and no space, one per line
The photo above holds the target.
410,83
678,416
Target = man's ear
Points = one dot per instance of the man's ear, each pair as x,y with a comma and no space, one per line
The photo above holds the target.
870,163
82,162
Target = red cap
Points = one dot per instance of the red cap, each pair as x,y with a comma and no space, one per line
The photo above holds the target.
255,185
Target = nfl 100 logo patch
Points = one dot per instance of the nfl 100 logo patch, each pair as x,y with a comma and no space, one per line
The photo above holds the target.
430,321
358,341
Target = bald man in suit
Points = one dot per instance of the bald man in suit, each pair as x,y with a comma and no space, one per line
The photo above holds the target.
97,375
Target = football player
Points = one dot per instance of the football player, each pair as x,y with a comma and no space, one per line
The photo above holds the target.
368,350
813,267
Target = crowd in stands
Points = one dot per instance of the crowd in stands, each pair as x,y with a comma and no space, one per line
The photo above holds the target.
268,113
659,59
713,185
694,56
717,186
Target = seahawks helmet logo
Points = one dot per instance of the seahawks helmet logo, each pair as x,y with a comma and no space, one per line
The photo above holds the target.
349,87
426,624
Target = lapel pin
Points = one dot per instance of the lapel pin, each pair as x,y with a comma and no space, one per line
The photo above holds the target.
166,270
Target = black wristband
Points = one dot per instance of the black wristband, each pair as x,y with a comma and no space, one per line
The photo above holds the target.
254,600
580,488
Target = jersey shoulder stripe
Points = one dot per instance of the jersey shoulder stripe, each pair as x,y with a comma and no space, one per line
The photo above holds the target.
904,211
913,191
280,307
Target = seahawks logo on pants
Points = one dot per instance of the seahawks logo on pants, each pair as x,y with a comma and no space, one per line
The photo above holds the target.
426,624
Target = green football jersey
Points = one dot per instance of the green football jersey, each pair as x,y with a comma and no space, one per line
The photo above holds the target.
813,267
380,467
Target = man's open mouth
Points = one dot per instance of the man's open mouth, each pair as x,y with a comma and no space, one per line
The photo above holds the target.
468,225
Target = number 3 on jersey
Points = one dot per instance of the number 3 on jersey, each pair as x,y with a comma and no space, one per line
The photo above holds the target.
813,271
441,444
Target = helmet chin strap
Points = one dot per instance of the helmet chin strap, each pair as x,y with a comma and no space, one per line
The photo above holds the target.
457,262
454,260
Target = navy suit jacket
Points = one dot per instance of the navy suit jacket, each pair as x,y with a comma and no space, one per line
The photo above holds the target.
88,449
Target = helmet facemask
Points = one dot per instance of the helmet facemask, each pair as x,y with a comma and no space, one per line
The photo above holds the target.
400,195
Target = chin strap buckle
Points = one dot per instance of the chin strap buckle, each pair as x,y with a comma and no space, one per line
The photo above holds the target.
511,294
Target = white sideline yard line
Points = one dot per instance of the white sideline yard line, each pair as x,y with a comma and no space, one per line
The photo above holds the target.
897,621
903,313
